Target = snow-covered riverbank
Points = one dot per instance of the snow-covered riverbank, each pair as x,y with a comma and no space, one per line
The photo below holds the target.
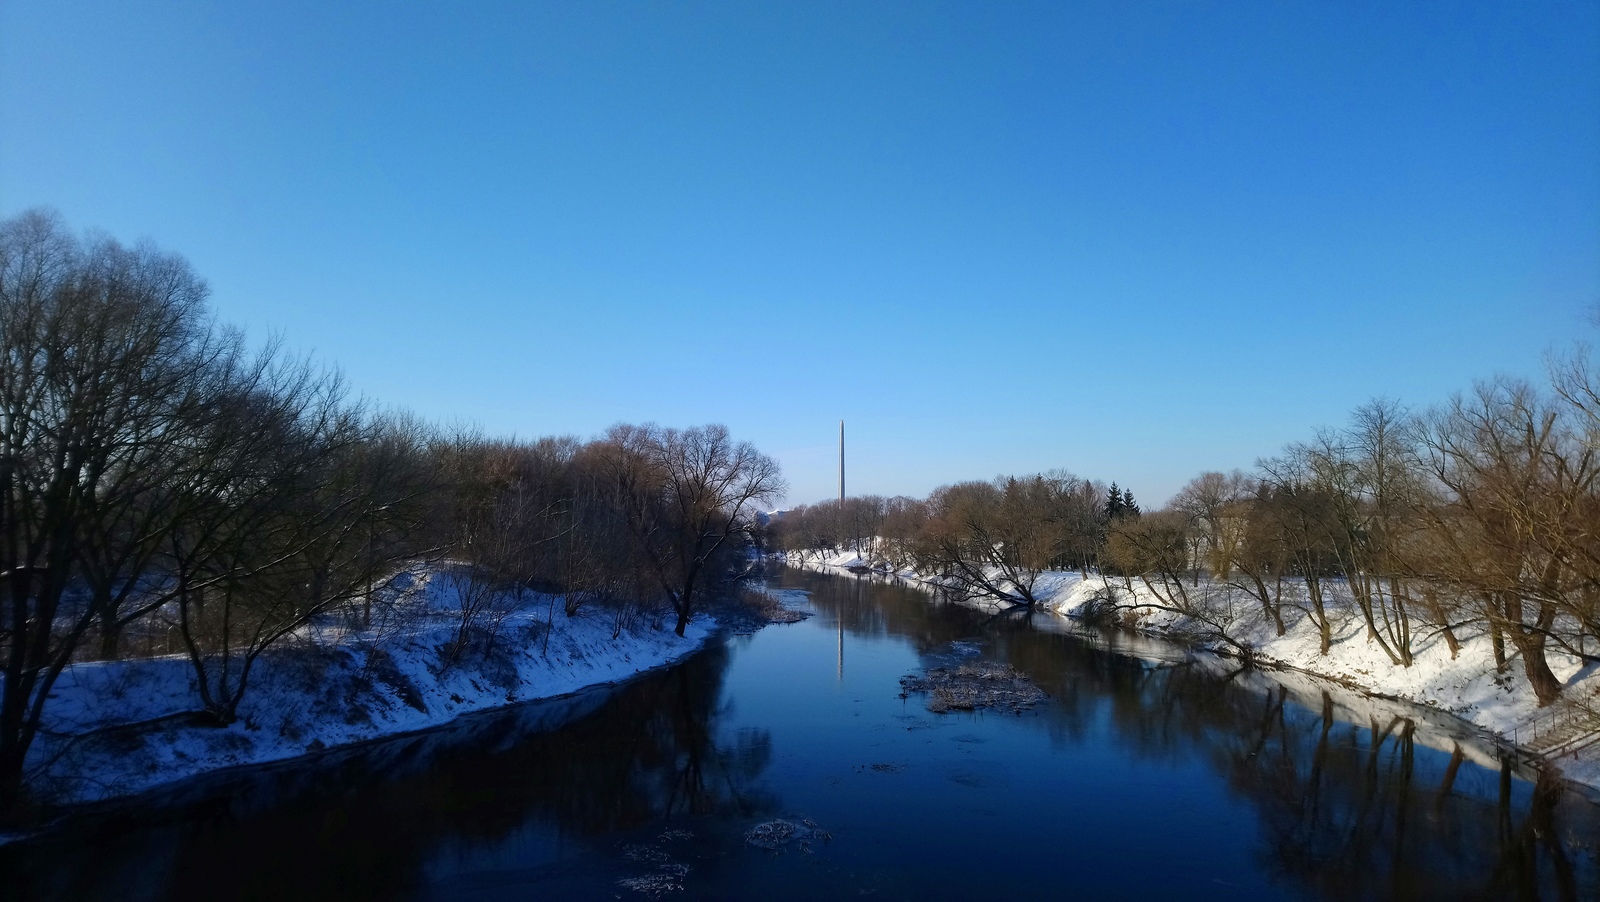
118,728
1465,685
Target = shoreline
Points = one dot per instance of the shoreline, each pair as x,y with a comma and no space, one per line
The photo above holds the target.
408,750
551,676
566,676
1065,599
119,734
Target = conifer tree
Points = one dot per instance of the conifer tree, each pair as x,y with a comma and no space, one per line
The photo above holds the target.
1114,507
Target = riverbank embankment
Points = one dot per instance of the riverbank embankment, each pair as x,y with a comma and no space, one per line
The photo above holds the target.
1463,684
120,728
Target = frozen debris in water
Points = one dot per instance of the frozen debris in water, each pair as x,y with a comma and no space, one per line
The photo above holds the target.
667,875
771,835
666,879
774,835
773,606
646,854
971,686
674,834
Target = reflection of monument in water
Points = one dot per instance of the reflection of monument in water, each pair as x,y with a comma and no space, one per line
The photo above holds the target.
839,620
839,615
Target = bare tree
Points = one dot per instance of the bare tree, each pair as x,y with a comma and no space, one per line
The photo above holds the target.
993,539
903,520
300,507
1155,548
1372,474
1303,514
1577,386
510,504
1210,500
1081,523
1521,482
98,347
1258,556
684,495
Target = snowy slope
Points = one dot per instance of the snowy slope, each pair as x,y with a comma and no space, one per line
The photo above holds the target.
1466,686
117,728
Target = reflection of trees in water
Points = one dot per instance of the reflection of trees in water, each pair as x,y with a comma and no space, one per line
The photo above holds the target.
703,777
1345,810
1358,817
650,752
880,606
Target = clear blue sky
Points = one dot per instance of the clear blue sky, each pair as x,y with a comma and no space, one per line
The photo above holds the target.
1132,240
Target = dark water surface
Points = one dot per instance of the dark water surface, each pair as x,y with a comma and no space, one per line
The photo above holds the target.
1136,780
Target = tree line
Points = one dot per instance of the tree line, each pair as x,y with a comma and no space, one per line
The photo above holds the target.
1478,516
166,488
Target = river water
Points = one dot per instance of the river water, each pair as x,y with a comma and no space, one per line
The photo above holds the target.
1144,775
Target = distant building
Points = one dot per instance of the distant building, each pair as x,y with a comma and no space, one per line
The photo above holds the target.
767,518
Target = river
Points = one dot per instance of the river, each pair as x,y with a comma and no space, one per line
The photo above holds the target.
1145,775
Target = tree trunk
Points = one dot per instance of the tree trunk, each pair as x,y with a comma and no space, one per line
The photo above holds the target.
1530,644
1320,615
110,637
11,796
1497,635
1451,640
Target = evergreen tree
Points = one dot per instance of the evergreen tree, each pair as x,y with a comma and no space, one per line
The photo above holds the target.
1130,508
1114,506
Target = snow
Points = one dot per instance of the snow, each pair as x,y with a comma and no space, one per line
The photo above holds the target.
118,728
1465,687
846,560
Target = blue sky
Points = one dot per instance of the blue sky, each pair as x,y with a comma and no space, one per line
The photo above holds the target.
1135,241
